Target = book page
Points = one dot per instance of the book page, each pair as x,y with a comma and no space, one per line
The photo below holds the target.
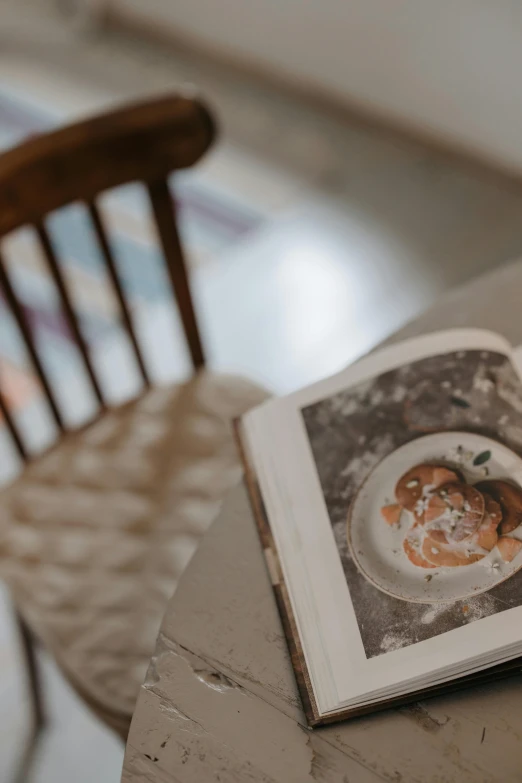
385,614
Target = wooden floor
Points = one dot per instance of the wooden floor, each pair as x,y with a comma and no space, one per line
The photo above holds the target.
363,233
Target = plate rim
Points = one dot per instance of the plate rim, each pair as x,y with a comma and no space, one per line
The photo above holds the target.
351,547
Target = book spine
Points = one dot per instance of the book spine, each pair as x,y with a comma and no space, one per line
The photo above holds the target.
278,585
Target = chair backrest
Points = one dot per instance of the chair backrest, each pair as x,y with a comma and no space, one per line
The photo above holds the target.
142,143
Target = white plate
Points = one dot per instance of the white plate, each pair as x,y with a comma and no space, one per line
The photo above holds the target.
376,547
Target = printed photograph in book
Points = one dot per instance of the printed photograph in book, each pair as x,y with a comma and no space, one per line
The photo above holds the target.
421,473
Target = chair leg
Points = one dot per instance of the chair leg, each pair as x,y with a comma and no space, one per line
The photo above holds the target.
34,684
33,673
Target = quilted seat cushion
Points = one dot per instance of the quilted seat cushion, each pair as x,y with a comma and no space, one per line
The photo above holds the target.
95,534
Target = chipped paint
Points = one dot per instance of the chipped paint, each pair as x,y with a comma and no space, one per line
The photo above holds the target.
214,680
419,714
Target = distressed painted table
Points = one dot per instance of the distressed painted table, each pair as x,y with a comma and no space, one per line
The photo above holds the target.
220,702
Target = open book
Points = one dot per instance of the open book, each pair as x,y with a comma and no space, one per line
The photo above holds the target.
389,505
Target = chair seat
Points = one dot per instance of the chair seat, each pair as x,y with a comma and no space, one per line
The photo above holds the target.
95,534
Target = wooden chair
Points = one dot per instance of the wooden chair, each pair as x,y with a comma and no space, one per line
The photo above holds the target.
95,533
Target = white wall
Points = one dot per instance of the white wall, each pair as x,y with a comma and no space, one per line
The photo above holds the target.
453,67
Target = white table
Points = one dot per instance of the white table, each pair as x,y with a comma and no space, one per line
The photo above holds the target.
220,701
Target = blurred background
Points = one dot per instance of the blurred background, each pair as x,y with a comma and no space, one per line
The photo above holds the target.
369,160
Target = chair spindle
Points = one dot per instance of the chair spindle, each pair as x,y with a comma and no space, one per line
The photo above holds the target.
16,309
103,242
68,309
13,429
163,211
